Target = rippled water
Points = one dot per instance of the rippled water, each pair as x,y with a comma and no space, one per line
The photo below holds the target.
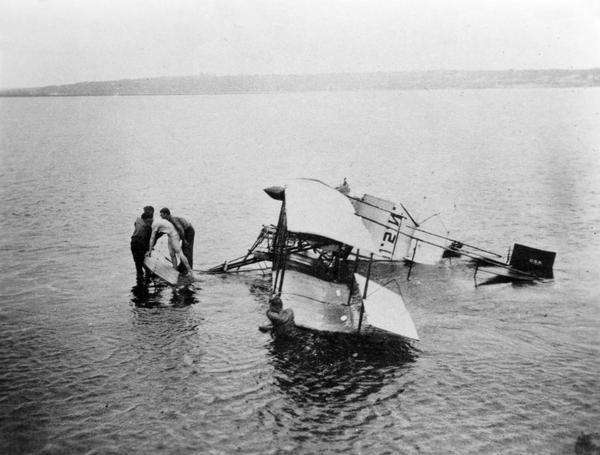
92,363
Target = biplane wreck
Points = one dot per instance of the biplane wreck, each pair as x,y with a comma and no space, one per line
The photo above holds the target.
315,250
325,236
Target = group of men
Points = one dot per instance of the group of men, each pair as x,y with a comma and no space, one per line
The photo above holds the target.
147,230
180,234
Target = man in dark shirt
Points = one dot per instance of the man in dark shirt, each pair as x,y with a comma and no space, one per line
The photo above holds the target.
186,232
142,228
282,320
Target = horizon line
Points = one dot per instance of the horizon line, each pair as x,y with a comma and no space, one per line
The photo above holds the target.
215,75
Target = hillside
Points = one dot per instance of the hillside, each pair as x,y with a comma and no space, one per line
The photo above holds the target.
208,84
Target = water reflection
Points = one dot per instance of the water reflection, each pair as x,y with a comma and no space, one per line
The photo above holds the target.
147,293
184,297
499,279
335,370
164,339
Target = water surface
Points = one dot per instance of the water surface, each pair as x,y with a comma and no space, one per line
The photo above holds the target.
92,363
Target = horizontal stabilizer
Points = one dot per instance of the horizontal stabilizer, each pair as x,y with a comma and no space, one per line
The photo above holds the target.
526,264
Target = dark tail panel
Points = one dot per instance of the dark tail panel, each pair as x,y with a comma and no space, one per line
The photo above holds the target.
532,260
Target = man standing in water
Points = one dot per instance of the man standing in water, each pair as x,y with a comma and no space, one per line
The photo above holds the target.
163,226
282,320
186,233
140,238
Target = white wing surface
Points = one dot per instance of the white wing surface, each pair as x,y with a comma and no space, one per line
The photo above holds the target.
315,208
385,310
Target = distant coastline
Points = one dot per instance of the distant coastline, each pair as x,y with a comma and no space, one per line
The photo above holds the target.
420,80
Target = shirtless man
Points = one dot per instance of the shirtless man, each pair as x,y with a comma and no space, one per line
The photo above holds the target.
162,226
186,233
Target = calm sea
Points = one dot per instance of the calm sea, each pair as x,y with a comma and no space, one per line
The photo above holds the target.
92,363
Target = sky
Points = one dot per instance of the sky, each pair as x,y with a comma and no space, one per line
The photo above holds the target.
48,42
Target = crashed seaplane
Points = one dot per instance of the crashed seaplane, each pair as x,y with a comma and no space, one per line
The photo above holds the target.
325,235
315,251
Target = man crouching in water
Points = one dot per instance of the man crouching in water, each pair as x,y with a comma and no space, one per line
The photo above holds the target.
282,321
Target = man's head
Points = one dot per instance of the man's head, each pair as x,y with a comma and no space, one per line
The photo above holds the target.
149,209
147,217
165,213
275,304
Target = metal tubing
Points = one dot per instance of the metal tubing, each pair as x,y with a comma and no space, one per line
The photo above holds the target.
412,260
353,272
362,305
277,246
397,235
368,277
283,261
